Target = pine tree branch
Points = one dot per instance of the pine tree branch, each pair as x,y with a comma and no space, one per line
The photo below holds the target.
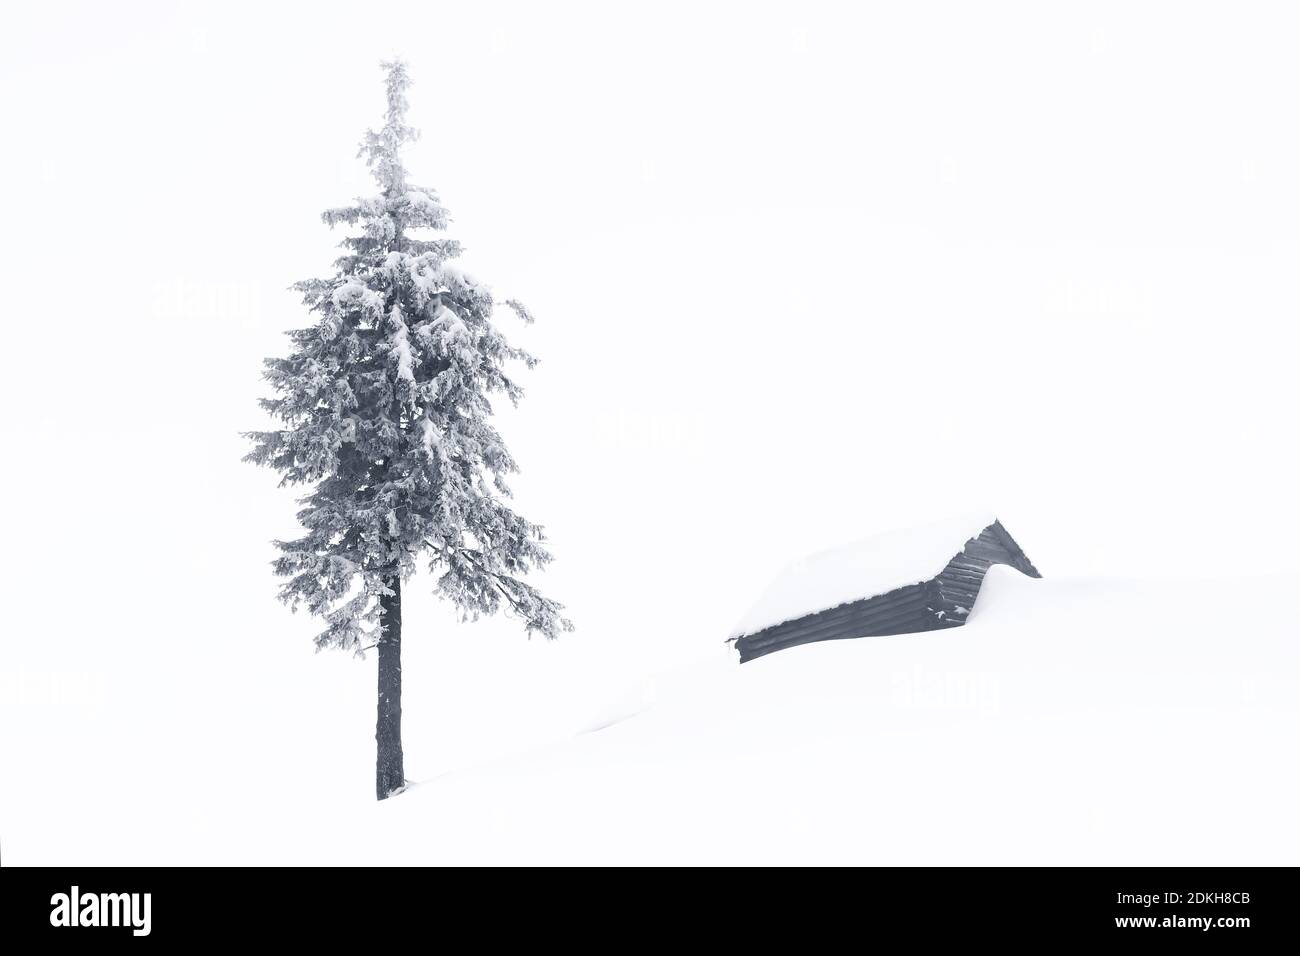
495,577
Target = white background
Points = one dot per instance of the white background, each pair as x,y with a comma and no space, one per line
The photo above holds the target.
801,272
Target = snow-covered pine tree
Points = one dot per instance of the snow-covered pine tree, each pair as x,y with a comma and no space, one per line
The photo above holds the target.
385,402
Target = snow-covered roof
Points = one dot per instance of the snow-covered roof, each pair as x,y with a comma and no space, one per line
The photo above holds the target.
864,569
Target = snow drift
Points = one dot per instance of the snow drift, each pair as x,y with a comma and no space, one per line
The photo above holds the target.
1150,723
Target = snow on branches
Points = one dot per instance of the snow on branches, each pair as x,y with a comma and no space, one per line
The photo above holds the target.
384,403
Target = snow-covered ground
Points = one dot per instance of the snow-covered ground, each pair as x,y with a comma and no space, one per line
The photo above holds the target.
1071,721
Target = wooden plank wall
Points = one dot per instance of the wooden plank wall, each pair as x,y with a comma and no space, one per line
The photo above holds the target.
944,601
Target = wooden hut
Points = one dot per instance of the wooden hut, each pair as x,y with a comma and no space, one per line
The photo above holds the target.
902,583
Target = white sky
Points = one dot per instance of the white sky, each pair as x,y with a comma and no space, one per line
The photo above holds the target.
802,272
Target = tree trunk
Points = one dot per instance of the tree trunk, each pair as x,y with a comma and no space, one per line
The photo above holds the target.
389,776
